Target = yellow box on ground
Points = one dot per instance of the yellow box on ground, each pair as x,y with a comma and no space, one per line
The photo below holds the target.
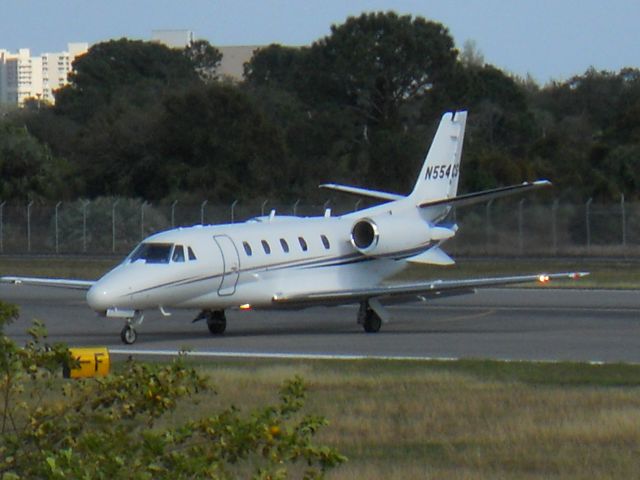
93,362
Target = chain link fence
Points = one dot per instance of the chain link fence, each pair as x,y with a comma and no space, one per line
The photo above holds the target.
501,228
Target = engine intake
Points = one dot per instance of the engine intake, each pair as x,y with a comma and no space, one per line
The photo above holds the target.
395,234
364,235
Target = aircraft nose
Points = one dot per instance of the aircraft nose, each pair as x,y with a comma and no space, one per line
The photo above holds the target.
98,297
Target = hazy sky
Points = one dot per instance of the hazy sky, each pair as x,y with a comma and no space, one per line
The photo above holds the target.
550,39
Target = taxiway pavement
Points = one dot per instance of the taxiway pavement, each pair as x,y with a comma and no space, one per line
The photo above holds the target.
497,323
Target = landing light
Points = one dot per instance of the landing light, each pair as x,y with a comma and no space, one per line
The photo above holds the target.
245,306
543,278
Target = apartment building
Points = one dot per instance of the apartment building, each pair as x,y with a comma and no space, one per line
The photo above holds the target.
24,76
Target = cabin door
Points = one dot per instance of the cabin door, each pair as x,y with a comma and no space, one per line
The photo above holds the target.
231,265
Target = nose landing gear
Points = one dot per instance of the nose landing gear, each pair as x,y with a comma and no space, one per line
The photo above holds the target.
128,334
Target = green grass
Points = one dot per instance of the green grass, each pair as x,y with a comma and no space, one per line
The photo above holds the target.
604,273
454,420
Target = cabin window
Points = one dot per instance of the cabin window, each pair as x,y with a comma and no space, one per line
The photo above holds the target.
178,254
247,248
284,245
192,256
303,244
325,241
266,247
152,253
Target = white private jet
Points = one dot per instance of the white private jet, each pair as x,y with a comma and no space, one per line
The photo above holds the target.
294,262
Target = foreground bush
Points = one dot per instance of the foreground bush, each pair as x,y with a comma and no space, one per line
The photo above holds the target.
112,427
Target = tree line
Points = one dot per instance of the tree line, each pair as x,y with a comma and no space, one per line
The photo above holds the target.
358,106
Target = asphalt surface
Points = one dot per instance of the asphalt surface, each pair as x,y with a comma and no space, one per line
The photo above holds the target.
510,324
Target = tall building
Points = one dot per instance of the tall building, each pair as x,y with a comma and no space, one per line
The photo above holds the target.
23,76
173,38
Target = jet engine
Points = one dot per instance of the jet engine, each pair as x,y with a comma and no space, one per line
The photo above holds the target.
388,234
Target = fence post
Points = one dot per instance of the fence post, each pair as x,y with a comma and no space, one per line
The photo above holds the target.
29,226
487,223
173,213
233,211
356,207
142,207
56,223
264,204
2,227
325,206
588,222
202,205
84,226
295,207
520,227
113,226
554,225
624,220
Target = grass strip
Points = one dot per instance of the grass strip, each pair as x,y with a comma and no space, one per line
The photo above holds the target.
460,419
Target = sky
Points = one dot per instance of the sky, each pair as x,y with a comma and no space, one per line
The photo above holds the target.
547,39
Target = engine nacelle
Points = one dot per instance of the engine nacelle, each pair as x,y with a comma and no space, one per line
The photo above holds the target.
389,234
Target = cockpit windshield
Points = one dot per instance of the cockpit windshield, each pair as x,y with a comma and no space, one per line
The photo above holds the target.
151,253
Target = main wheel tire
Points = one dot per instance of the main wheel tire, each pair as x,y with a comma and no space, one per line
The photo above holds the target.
372,322
128,335
217,323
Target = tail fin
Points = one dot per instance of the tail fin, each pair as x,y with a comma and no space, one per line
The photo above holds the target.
441,169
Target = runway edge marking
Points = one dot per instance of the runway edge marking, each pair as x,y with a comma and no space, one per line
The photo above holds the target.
323,356
279,355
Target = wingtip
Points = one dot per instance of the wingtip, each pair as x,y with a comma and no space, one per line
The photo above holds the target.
543,183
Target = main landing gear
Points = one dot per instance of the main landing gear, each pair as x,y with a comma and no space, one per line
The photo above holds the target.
128,334
368,318
216,320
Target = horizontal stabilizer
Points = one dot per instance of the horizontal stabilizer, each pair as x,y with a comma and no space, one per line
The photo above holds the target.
479,197
433,256
363,192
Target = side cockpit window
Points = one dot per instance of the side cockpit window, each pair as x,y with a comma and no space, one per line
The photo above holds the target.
192,256
178,254
152,253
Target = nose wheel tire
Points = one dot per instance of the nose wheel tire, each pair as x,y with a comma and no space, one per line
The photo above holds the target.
128,335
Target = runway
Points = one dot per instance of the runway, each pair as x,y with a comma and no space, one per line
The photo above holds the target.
508,324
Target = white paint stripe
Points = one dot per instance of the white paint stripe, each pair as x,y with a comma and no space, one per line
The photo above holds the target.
328,356
277,355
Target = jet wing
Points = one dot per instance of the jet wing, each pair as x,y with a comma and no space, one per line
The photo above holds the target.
49,282
411,291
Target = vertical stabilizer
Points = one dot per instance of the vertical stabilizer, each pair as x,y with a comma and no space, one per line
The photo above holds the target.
441,169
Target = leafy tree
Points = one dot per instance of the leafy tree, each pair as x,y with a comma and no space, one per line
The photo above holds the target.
28,169
141,71
205,59
274,66
113,427
378,61
215,143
